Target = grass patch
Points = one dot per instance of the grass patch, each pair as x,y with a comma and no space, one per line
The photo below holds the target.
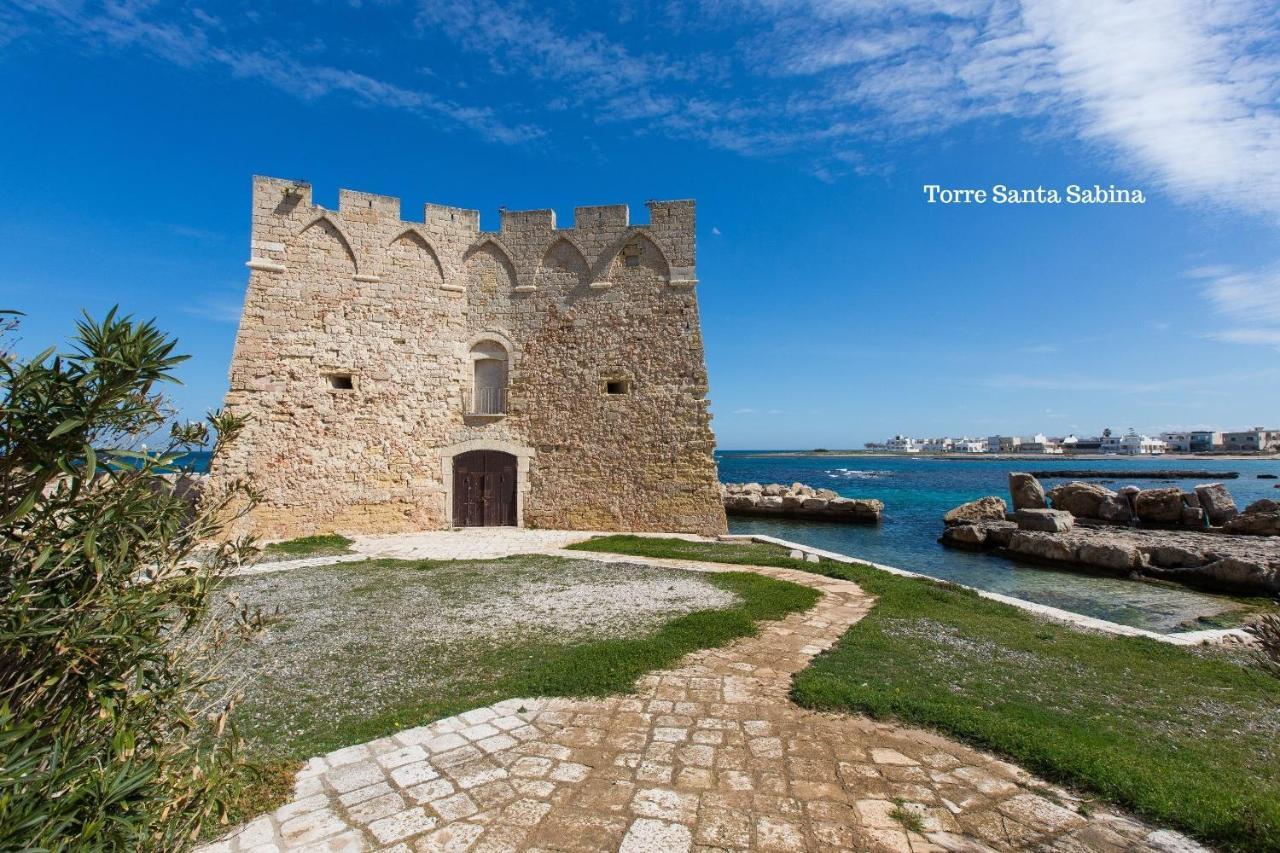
324,545
1177,736
370,648
909,820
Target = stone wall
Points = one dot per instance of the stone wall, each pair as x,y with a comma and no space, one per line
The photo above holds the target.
395,308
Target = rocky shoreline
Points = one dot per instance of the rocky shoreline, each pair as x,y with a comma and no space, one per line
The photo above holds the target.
1169,474
798,501
1198,538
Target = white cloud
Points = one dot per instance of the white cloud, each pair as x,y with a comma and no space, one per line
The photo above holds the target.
194,42
1181,86
1179,95
1249,301
1089,383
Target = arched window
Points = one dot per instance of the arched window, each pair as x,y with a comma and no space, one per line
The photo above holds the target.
488,393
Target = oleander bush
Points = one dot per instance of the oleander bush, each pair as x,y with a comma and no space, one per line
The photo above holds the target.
114,718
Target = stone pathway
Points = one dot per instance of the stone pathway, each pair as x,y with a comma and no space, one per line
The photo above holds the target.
468,543
710,755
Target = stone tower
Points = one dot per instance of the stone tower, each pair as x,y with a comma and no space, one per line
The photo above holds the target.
405,376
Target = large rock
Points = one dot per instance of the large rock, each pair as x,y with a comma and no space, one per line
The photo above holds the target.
1255,524
1026,491
1044,520
1242,574
1217,503
1159,506
1105,554
1041,546
1264,505
1116,509
1083,500
970,536
990,508
798,501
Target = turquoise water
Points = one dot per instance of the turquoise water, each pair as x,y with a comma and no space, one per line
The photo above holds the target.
917,491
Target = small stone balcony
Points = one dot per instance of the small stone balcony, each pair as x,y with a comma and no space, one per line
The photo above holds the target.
485,402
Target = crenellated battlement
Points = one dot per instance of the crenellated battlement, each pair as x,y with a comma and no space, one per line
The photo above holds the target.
366,224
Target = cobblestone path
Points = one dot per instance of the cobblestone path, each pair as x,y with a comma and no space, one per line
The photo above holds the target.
710,755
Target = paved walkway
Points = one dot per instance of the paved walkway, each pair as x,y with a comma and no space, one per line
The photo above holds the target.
709,755
469,543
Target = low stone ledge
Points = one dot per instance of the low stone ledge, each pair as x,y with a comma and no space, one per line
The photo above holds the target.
798,501
1214,561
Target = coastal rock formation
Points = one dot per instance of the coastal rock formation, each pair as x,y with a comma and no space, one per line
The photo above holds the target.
1260,518
1026,491
1217,503
798,501
1117,509
1159,506
1083,500
1211,560
1048,520
1168,506
990,508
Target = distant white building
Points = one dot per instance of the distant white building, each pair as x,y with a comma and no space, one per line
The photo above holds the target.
1039,443
968,445
936,445
1133,444
1177,442
902,444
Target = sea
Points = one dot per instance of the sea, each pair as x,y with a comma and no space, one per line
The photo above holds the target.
916,491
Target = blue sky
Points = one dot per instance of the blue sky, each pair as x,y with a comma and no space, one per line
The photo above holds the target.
838,306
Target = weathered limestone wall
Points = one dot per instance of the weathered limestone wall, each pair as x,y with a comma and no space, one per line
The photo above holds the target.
398,306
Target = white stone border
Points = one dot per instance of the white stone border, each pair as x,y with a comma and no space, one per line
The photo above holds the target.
1079,620
522,454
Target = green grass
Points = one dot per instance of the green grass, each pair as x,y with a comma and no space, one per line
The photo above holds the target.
1176,735
291,714
324,545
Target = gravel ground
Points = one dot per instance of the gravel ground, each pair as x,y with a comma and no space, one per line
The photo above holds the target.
357,639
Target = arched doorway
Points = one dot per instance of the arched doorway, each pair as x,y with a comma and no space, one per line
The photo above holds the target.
484,489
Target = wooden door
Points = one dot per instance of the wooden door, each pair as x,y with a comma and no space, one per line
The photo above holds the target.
484,489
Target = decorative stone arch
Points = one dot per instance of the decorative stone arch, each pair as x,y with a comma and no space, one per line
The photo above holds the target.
495,336
505,256
415,235
524,455
633,236
573,244
343,237
488,364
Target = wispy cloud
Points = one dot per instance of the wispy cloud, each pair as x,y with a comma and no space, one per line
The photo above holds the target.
219,309
195,40
1112,384
1176,94
1249,301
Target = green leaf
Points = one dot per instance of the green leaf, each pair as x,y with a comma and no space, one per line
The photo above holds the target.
66,426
